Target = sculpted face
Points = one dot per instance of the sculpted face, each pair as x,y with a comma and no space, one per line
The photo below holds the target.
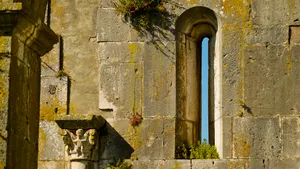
79,132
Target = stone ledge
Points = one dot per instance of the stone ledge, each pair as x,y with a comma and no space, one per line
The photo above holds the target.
81,122
37,36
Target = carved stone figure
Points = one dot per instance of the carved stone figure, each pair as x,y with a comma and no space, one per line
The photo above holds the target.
81,145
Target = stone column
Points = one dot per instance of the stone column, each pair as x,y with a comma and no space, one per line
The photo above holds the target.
81,139
22,23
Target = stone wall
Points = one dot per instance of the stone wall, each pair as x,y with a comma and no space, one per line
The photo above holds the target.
112,71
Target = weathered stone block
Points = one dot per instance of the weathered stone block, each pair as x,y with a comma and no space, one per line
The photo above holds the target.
54,94
290,137
151,139
159,80
256,138
265,70
227,137
270,14
106,4
130,89
231,71
177,164
169,138
70,18
108,92
51,164
267,35
247,163
112,27
51,146
211,164
121,52
284,163
148,164
121,85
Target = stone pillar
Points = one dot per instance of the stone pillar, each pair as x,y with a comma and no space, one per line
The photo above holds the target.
81,139
29,38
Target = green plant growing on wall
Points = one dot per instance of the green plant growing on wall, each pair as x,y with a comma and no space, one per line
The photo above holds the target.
182,151
145,15
120,164
202,150
240,113
246,108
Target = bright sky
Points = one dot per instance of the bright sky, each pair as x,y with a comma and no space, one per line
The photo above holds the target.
204,90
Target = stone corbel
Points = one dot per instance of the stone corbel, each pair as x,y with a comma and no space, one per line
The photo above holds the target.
81,139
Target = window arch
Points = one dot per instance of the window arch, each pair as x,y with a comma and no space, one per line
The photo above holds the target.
192,27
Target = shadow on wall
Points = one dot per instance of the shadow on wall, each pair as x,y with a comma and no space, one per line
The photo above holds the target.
113,145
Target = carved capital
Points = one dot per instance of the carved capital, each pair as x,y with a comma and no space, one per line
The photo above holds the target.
81,136
81,144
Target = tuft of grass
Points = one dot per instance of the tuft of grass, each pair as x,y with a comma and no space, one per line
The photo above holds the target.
62,73
201,150
145,15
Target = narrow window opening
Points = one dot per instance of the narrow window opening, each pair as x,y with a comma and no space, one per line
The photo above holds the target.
204,90
198,78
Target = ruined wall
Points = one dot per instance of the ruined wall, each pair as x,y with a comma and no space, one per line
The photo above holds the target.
115,72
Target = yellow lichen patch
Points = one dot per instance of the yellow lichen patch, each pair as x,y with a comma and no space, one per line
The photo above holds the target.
3,94
42,141
5,42
236,7
240,27
73,109
241,146
3,81
244,163
52,108
10,6
292,5
177,166
135,138
289,63
225,67
192,1
133,50
1,165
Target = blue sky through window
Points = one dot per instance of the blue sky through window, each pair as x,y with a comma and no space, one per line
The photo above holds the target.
204,90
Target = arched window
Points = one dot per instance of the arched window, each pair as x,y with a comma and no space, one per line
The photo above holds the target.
192,27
